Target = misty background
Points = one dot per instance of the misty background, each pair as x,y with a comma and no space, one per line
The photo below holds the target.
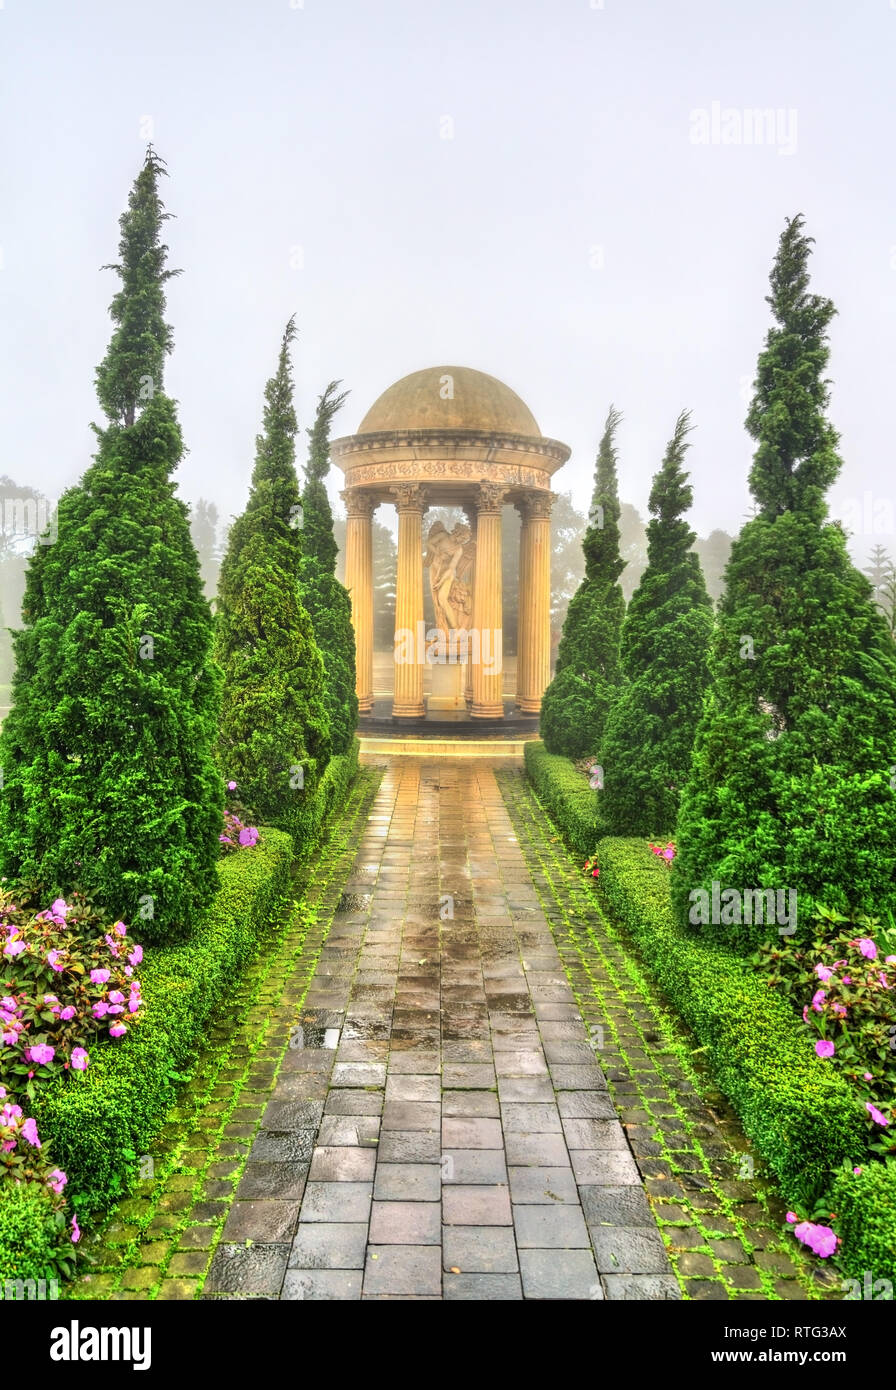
525,187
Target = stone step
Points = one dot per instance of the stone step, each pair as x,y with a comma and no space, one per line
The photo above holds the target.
444,747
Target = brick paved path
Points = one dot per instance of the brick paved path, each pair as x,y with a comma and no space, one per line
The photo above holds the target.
467,1147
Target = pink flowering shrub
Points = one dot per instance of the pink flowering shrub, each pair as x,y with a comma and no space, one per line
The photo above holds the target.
67,979
236,834
665,852
37,1238
843,985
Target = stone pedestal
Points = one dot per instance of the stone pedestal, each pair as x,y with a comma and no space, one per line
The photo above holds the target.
447,691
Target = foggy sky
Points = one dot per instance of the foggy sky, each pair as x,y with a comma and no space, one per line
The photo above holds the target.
570,237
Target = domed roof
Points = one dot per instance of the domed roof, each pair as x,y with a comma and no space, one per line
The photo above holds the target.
450,398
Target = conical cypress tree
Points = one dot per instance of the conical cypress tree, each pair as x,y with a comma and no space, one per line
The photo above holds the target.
790,786
274,739
576,703
327,601
110,782
646,751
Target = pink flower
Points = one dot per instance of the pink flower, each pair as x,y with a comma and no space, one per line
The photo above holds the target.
818,999
29,1132
805,1013
100,1009
41,1054
231,786
79,1059
53,958
889,960
68,1012
847,980
14,948
57,1180
248,837
839,1010
867,1075
867,947
883,980
116,1008
856,1171
59,907
112,944
10,1113
116,997
7,1002
823,972
134,1003
136,955
875,1114
791,1217
117,1030
50,999
76,1231
2,1093
824,1048
120,929
99,977
820,1239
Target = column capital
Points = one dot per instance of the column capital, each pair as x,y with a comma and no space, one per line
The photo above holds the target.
535,506
359,502
489,497
409,497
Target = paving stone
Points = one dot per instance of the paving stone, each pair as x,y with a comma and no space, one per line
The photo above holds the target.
329,1245
555,1227
593,1105
559,1274
352,1131
479,1249
405,1223
342,1164
525,1089
543,1186
640,1287
270,1222
474,1166
475,1205
283,1181
594,1134
407,1182
472,1287
604,1167
410,1146
337,1201
320,1284
530,1118
466,1133
411,1115
283,1148
257,1269
475,1104
543,1150
616,1206
412,1087
358,1074
351,1102
403,1270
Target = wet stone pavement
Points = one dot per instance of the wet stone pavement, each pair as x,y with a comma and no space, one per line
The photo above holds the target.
440,1127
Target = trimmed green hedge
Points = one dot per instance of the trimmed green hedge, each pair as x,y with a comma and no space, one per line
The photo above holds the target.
865,1204
120,1102
803,1118
565,795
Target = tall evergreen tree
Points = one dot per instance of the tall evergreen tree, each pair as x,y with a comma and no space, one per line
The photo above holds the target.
790,785
110,782
204,529
646,751
576,703
327,601
274,739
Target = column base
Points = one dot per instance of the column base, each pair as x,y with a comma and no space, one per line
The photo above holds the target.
409,711
365,704
494,711
528,706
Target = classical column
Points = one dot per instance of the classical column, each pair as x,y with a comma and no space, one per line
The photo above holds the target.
410,628
522,612
535,600
487,634
469,511
359,507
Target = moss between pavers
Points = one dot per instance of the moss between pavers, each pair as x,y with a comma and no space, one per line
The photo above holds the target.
199,1160
647,1056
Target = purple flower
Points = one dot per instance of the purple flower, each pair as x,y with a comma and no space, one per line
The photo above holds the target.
116,1008
875,1114
10,1113
136,955
29,1132
76,1231
117,1030
79,1059
856,1171
50,999
59,908
7,1002
847,980
231,786
52,959
248,837
818,999
100,1009
99,977
824,973
867,947
889,960
867,1075
120,929
14,948
41,1054
791,1217
116,997
820,1239
68,1012
824,1048
57,1180
883,980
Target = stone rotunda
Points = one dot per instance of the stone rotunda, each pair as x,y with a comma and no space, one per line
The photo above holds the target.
451,436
